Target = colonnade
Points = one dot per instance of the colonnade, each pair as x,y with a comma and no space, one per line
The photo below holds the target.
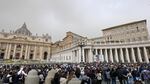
139,54
115,55
24,51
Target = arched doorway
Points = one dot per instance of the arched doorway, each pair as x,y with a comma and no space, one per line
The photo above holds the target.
45,55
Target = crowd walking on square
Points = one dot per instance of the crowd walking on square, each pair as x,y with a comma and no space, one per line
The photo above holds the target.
85,73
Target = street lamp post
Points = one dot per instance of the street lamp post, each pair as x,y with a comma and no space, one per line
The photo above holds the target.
81,44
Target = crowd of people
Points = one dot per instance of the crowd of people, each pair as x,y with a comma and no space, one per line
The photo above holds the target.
85,73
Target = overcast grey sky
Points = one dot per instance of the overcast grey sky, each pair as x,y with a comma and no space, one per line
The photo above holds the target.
84,17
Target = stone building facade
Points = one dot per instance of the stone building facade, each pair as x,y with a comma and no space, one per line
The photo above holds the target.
21,44
65,50
126,43
129,32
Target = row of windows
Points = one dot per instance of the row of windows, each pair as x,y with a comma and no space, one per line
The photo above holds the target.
33,38
125,31
110,37
124,40
17,56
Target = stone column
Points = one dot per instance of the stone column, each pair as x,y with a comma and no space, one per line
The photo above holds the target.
101,52
34,56
127,56
79,54
121,55
26,52
6,51
139,54
9,50
76,56
106,55
14,53
49,53
116,55
102,56
146,59
96,53
73,56
21,52
111,56
41,53
83,55
90,55
133,55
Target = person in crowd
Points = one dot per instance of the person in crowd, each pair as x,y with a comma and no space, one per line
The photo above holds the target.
99,76
136,75
56,79
8,78
145,75
125,74
72,79
21,74
130,77
78,72
63,77
107,73
70,73
113,75
41,77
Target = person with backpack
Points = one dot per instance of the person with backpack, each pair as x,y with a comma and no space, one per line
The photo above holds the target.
145,75
136,75
7,79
